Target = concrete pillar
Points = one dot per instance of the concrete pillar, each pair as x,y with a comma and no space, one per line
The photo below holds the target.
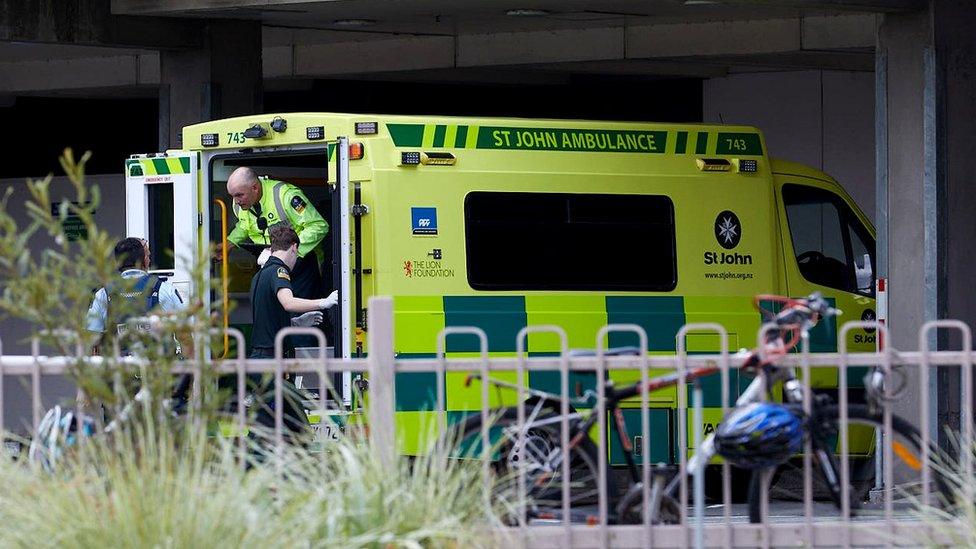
901,201
221,79
955,51
926,132
955,171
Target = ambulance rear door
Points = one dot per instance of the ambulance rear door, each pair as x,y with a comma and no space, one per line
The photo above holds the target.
161,206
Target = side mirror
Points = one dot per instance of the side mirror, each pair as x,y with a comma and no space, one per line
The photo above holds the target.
864,274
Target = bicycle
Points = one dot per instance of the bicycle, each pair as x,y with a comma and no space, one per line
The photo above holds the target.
535,449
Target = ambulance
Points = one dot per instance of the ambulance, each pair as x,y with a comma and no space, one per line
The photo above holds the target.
501,223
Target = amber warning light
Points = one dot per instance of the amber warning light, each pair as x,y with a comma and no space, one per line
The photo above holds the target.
356,151
713,164
437,159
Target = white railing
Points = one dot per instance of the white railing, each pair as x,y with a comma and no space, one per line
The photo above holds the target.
813,523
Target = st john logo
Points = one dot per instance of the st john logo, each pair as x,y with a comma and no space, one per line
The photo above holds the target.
728,230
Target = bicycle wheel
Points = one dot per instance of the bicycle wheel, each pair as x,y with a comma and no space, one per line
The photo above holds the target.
787,484
539,456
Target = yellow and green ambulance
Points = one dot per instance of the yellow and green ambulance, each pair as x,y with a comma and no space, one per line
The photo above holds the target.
501,223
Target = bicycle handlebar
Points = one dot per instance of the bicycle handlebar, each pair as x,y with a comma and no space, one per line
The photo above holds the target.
796,317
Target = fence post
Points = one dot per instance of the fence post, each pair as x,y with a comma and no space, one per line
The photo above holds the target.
382,378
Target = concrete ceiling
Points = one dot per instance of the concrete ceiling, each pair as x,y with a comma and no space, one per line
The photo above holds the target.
484,40
451,17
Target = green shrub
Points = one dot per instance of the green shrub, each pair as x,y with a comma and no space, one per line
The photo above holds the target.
160,481
148,487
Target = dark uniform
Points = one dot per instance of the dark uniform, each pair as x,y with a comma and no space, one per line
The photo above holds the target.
268,316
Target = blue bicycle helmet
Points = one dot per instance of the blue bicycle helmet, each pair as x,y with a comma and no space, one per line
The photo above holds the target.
759,435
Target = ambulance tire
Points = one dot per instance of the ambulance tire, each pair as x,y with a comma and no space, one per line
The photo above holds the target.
543,486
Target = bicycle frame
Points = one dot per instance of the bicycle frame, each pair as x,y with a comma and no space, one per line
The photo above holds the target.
793,394
789,325
581,426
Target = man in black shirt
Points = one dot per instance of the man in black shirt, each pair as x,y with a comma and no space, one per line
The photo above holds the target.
272,304
272,301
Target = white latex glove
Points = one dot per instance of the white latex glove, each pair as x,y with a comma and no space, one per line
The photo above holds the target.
263,258
308,319
331,301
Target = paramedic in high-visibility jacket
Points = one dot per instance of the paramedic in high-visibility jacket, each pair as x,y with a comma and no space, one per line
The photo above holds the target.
259,204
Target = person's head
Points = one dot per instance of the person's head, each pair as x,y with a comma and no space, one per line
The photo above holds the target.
132,253
284,243
244,187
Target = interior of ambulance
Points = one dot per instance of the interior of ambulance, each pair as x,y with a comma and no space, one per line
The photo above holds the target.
309,172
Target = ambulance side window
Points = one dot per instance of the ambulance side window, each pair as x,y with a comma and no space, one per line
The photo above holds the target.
561,241
831,245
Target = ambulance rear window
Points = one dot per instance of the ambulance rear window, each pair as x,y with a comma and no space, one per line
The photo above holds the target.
554,241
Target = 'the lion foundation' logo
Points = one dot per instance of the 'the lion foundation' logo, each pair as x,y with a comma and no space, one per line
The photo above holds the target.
728,230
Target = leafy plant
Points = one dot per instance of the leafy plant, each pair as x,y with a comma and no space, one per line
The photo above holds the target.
158,480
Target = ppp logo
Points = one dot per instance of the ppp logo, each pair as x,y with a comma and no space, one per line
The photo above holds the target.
424,220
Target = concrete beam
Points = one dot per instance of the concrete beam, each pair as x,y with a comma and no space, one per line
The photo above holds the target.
839,32
717,38
395,54
83,73
177,6
795,60
148,7
703,50
691,68
851,5
90,22
682,41
509,48
740,37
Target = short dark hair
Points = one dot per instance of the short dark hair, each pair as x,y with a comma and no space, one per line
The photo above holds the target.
128,252
282,237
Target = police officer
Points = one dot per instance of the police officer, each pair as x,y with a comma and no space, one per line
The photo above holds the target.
133,257
260,204
272,300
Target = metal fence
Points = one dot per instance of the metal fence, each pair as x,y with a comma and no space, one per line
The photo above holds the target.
808,522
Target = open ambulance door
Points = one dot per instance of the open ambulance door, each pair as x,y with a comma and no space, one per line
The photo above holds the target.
341,253
323,175
161,206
